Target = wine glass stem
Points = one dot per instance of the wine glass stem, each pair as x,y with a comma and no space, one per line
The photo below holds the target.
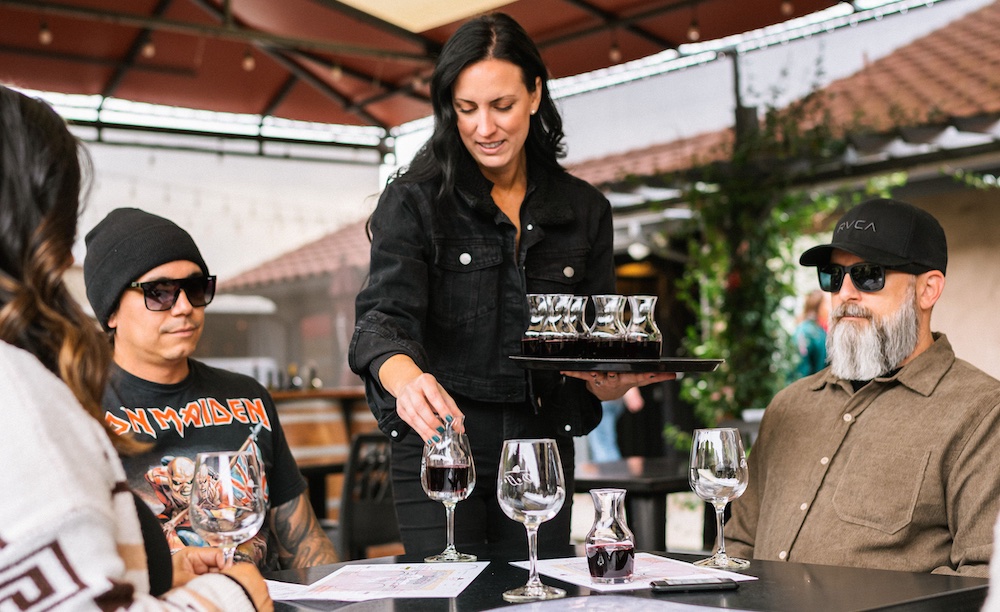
532,556
449,512
720,540
228,553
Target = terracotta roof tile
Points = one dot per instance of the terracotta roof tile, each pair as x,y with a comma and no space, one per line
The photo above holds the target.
345,248
657,159
953,72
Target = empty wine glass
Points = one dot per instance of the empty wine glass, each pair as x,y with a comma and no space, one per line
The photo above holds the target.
227,504
448,475
719,475
531,490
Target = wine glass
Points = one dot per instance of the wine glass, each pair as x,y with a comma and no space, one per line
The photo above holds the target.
531,490
448,475
719,475
227,504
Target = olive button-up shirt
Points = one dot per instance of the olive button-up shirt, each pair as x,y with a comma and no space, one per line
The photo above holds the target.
903,474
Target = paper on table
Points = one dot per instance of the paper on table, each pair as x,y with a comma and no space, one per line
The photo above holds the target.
364,582
647,567
281,591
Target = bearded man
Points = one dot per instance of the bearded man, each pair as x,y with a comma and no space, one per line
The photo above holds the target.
888,458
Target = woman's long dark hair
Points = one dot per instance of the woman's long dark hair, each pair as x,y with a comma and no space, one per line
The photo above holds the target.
492,36
41,175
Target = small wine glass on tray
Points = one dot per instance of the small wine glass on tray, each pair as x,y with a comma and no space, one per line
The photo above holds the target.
227,503
448,475
719,475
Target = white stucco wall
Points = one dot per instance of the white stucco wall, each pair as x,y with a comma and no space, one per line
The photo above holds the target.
968,310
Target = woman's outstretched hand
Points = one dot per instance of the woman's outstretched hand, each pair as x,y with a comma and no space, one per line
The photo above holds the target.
612,385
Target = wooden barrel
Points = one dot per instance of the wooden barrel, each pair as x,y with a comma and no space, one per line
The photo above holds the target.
318,425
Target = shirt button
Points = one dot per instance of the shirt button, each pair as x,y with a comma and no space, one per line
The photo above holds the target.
569,272
848,418
824,460
530,227
394,433
783,555
465,259
567,428
803,507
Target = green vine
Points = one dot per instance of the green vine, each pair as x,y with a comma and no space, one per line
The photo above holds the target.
741,260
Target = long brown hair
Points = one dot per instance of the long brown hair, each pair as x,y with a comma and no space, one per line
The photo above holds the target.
42,167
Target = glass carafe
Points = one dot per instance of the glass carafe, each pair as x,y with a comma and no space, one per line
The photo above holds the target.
643,339
610,545
577,325
606,339
558,337
538,310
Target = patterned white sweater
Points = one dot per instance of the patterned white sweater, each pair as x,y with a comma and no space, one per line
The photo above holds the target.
69,533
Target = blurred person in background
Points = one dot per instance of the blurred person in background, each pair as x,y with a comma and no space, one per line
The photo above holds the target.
602,443
71,533
810,337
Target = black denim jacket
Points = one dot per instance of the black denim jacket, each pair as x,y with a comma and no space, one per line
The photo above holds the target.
446,289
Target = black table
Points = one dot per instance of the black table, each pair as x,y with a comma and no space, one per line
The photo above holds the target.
781,586
648,480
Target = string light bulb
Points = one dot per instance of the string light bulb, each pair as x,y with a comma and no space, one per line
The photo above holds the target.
336,72
148,49
787,8
615,53
249,63
694,32
44,34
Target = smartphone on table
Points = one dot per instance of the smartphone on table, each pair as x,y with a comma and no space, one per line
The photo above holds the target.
707,583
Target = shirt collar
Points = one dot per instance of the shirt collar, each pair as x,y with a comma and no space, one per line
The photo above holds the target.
921,375
547,205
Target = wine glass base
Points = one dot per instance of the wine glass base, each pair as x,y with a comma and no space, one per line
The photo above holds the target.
723,562
533,593
451,557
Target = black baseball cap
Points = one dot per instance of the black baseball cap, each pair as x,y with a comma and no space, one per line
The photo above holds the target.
895,234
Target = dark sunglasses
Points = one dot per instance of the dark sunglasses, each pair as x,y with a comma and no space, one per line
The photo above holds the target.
162,294
867,277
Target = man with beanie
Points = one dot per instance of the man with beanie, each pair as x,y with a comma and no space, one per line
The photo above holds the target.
887,458
149,285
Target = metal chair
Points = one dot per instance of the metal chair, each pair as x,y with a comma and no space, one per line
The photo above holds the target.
367,512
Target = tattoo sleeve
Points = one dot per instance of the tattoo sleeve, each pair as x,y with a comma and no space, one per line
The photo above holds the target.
302,541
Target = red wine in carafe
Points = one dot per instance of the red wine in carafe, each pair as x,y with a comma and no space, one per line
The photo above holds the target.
611,562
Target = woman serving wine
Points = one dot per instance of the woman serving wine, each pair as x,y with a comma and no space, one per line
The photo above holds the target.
483,216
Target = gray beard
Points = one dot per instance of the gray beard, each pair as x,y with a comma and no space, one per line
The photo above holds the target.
867,351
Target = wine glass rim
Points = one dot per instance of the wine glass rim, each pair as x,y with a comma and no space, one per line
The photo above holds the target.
716,429
528,440
245,451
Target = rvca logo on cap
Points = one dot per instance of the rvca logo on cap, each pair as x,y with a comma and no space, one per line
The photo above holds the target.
858,224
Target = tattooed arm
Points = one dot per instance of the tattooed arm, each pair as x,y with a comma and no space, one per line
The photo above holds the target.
302,542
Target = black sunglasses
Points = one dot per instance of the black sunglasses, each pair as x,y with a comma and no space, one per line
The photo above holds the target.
867,277
162,294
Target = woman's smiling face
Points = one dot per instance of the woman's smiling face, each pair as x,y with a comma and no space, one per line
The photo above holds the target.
493,109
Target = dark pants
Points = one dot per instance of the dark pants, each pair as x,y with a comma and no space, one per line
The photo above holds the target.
479,519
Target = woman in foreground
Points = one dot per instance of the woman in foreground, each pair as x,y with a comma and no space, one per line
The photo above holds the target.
70,535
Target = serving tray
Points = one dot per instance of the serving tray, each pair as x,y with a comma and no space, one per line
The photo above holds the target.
617,365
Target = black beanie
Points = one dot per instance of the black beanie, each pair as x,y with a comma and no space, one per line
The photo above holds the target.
125,245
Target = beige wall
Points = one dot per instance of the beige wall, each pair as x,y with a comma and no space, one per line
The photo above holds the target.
968,310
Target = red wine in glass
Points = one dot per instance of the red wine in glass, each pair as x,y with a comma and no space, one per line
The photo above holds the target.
449,482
